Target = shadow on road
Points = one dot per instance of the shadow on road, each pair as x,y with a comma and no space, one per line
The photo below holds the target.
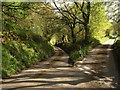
96,72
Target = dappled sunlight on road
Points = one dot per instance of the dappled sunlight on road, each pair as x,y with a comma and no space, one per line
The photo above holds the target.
92,72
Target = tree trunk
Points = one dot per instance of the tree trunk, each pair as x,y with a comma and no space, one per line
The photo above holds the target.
73,35
87,32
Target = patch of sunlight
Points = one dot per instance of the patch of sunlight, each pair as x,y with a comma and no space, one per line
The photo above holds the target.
31,70
110,42
65,85
80,62
106,79
109,49
109,78
87,72
93,71
118,38
81,69
54,39
35,70
64,57
63,68
87,68
66,78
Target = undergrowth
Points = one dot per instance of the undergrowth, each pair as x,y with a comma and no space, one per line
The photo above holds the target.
21,51
77,51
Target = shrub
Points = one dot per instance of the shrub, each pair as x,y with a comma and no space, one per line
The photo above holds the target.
78,55
116,53
94,42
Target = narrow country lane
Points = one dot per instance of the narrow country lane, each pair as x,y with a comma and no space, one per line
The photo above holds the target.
97,70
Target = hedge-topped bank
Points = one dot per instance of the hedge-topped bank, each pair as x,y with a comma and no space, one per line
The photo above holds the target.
19,54
116,52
